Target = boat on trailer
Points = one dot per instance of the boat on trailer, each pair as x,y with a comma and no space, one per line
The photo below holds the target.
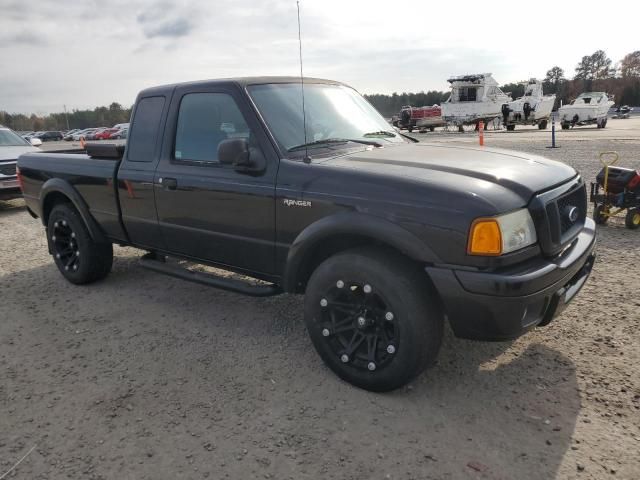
588,108
533,108
422,118
473,98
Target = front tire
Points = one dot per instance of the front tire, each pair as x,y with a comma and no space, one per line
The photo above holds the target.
599,214
632,219
79,258
373,318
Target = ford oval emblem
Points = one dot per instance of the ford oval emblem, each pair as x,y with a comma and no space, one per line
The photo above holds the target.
572,213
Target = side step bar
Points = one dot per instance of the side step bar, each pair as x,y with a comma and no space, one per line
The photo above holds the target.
151,262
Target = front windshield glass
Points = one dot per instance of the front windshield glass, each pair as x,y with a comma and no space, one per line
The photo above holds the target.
332,112
10,139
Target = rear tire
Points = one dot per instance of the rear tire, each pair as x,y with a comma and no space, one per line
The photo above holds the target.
543,125
79,258
511,128
373,318
565,126
632,219
598,214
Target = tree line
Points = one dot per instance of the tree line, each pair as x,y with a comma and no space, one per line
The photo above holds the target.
98,117
595,72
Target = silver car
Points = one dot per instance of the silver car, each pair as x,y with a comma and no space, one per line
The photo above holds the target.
11,147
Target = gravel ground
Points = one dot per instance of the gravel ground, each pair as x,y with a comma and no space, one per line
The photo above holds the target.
142,376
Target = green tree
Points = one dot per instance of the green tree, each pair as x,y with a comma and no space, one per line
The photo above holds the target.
630,65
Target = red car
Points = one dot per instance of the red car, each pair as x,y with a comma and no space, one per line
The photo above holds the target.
105,134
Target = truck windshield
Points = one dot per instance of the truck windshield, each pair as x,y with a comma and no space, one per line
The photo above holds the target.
332,112
10,139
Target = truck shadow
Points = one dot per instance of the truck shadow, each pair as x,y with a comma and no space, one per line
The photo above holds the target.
245,375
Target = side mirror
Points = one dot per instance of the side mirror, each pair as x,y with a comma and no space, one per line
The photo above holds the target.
237,153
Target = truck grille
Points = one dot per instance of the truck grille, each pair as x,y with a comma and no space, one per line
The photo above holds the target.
8,169
559,215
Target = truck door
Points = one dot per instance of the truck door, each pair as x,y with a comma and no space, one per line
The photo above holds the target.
136,173
208,210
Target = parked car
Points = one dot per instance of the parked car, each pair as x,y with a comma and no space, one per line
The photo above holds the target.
50,136
11,147
119,134
387,238
104,134
82,134
68,136
93,135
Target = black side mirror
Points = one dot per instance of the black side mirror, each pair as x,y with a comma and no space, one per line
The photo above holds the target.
237,153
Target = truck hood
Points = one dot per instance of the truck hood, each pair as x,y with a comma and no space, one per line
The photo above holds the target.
12,153
453,167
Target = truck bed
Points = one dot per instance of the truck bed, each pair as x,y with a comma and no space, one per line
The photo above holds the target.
93,178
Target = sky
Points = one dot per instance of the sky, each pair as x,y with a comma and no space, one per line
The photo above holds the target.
85,53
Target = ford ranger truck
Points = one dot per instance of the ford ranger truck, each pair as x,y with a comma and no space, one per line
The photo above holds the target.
386,238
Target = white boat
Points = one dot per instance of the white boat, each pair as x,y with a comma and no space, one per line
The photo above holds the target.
533,108
473,98
588,108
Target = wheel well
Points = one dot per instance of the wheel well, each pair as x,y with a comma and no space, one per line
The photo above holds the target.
326,248
51,200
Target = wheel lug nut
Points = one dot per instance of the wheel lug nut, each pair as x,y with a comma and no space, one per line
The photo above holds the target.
361,321
73,235
55,225
75,267
66,268
323,302
388,316
371,366
53,238
57,255
340,284
64,223
78,253
391,349
367,288
344,358
325,332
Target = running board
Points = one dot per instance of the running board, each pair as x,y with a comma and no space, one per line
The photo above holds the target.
209,279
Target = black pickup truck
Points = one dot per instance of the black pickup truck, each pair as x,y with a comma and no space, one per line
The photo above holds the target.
387,238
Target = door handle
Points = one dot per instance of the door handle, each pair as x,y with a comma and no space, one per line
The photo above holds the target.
168,183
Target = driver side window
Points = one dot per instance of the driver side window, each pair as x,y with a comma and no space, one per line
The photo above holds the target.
205,120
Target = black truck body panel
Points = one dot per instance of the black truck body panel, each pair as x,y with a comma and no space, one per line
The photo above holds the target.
418,199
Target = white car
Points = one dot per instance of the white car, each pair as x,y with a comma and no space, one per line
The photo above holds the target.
12,146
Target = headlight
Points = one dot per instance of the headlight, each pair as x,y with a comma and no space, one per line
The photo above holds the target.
501,234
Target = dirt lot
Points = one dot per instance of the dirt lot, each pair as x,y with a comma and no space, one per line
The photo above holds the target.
145,377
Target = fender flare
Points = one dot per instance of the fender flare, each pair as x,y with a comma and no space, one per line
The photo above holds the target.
352,223
58,185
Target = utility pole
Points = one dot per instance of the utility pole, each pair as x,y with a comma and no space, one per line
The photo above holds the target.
66,116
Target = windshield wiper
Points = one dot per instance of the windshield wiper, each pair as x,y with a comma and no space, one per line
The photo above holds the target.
334,140
380,133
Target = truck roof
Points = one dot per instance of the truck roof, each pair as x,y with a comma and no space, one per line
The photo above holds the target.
235,81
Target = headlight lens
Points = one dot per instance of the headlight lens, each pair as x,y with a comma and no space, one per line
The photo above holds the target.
502,234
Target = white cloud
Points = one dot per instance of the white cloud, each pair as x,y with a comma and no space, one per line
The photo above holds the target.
90,53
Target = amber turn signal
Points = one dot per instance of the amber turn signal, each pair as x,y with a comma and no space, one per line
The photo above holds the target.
485,237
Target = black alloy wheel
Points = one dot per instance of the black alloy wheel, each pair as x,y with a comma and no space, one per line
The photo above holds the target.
65,246
374,317
358,325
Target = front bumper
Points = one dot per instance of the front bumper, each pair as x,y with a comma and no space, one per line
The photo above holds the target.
9,188
504,304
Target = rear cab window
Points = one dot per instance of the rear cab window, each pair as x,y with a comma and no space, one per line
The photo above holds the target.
145,129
